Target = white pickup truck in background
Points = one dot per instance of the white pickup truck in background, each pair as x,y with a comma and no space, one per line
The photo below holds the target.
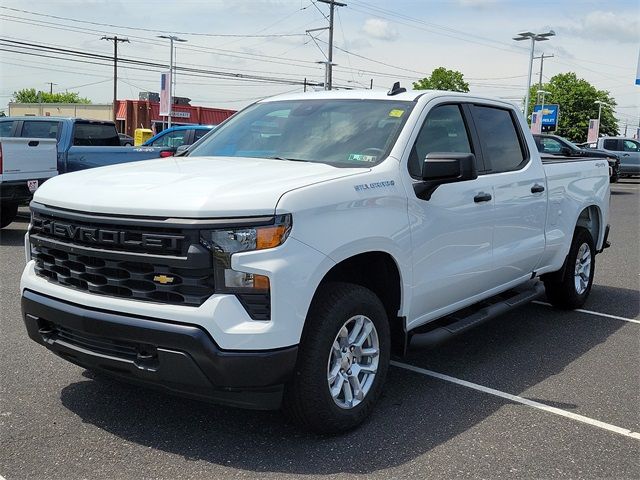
24,164
289,254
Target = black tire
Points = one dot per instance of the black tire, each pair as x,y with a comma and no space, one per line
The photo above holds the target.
560,287
8,213
614,178
307,400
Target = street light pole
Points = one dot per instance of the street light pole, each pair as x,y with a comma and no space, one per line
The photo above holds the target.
171,38
534,37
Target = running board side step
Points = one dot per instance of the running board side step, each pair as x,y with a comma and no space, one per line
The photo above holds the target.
459,322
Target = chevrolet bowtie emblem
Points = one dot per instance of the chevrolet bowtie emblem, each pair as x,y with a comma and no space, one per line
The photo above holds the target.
163,279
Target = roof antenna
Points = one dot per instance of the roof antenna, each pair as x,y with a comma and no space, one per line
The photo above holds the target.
396,89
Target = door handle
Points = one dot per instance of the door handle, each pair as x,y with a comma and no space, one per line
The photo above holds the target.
625,155
537,188
482,197
33,143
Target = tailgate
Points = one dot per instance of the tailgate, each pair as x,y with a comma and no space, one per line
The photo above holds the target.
28,158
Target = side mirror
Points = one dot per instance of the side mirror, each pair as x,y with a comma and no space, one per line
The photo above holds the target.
441,168
566,151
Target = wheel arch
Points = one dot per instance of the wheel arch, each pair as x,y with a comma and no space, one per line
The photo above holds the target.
590,218
379,272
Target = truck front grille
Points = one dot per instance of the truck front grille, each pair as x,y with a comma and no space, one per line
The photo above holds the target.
134,280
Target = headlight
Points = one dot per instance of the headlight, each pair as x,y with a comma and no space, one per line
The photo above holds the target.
226,241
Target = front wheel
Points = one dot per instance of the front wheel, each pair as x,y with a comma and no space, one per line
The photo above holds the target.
342,361
570,289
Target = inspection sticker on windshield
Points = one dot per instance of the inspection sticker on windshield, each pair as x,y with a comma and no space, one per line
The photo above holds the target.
356,157
370,186
396,112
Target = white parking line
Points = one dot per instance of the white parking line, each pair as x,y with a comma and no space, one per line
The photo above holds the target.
523,401
590,312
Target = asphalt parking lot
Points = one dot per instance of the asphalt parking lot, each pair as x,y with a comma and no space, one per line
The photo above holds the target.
537,393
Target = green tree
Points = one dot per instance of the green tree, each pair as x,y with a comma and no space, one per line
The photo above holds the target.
443,79
30,95
576,98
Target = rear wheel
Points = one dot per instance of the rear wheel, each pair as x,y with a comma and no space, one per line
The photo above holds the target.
342,361
569,289
8,213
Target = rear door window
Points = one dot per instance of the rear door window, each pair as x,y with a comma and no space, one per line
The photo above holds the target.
611,144
502,146
39,129
95,135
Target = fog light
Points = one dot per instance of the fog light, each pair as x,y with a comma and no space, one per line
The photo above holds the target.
234,279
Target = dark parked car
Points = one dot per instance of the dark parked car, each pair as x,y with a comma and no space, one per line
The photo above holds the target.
125,140
555,145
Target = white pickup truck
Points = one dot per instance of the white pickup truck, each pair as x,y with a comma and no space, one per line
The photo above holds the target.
24,164
305,241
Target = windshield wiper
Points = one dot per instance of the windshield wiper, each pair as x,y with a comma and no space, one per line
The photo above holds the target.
288,159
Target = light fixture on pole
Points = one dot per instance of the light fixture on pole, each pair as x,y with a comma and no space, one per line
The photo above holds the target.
171,38
534,37
600,103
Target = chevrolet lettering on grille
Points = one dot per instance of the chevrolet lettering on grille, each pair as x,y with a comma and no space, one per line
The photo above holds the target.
107,237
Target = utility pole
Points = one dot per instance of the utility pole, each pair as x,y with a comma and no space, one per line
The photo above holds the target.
115,41
171,38
329,64
542,57
51,84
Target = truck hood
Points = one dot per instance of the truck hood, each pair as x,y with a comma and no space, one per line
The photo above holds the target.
186,187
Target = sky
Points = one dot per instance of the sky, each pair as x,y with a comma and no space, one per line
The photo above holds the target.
375,40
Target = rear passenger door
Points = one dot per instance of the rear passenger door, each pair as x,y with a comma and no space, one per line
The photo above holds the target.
520,198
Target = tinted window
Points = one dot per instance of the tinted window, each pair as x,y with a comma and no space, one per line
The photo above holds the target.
172,139
6,128
611,144
499,138
198,134
35,129
443,131
630,146
95,135
355,133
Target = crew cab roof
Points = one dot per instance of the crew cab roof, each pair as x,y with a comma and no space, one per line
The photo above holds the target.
363,94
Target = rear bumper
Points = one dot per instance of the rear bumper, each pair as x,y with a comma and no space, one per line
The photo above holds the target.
17,191
172,356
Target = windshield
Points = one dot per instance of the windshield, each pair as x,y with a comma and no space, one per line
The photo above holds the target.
338,132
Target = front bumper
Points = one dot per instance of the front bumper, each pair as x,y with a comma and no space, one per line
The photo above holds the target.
173,356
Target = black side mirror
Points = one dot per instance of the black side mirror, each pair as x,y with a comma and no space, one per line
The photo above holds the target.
441,168
566,151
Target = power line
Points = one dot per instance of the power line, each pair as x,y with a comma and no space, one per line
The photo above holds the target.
142,29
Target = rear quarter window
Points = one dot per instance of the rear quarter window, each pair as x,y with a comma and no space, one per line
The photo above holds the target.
95,135
6,128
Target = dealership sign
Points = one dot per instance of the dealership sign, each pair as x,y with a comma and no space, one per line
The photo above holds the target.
549,115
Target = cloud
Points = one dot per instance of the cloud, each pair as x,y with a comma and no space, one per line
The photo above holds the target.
380,29
602,25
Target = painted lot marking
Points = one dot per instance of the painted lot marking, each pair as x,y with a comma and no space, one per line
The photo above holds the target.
524,401
590,312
